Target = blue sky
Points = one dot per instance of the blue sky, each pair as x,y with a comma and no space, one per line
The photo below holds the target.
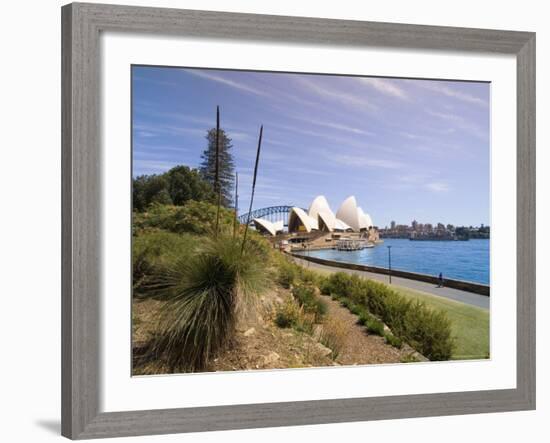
407,149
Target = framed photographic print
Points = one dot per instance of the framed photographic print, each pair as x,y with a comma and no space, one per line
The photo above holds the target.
273,221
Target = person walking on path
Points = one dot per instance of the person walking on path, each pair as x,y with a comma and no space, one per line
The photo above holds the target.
440,285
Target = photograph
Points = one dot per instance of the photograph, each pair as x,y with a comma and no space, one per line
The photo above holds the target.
285,220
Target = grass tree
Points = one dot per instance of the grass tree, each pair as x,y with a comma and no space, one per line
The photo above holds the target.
206,292
205,295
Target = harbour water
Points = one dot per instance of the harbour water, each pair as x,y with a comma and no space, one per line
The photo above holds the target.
460,260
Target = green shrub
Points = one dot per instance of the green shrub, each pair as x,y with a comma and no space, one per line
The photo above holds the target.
324,285
194,217
287,274
429,331
394,341
291,315
375,326
153,253
364,317
288,314
283,321
355,309
345,302
290,273
307,298
426,330
306,275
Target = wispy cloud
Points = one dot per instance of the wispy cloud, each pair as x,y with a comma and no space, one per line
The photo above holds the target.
348,140
333,125
387,87
437,186
145,134
364,161
443,89
327,91
412,136
461,123
226,81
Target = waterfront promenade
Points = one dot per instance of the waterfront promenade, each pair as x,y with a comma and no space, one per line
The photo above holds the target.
469,298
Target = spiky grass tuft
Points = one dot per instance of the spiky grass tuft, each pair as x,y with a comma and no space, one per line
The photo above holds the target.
205,295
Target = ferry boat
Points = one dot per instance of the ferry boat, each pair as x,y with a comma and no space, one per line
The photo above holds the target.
347,244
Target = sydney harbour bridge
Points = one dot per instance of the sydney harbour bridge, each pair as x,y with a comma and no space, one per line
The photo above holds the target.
271,213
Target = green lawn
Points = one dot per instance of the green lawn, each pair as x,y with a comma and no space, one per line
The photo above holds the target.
470,324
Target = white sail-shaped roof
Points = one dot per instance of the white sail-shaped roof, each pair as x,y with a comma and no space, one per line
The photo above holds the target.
369,222
349,217
318,204
365,222
362,219
320,210
262,224
299,216
327,218
341,226
348,213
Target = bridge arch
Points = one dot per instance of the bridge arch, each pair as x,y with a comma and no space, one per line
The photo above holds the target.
271,213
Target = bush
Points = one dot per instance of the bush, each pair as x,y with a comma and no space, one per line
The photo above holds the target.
306,275
355,309
394,341
194,217
364,318
290,273
429,332
287,315
426,330
283,321
375,326
324,285
153,253
291,315
307,298
287,274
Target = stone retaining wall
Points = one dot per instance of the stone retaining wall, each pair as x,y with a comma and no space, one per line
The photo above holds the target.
476,288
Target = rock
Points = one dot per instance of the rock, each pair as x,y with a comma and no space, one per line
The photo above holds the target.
272,357
249,332
323,350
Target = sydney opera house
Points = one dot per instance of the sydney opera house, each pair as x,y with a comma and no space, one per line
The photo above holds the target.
319,217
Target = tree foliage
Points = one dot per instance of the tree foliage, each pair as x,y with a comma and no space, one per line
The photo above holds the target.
226,164
175,187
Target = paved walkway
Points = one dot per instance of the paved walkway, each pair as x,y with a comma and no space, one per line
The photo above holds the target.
469,298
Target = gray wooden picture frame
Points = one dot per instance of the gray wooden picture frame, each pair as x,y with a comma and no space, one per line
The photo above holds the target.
81,234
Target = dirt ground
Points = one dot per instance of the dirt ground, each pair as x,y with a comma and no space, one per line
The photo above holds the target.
260,344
